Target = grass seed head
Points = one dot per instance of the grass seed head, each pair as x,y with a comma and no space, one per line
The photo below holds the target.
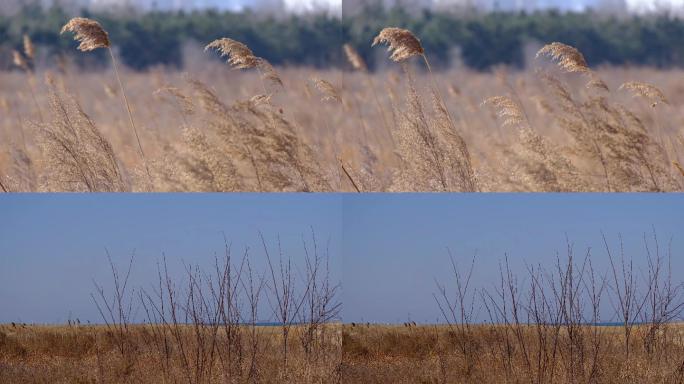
89,33
648,91
569,58
238,54
507,110
402,43
327,89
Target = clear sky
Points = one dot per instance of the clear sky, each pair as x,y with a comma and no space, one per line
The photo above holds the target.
395,245
52,246
385,249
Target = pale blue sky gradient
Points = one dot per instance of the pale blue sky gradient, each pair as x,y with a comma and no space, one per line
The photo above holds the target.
386,249
52,246
395,246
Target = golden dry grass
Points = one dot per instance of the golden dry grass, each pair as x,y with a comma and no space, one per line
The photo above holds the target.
562,126
431,354
89,354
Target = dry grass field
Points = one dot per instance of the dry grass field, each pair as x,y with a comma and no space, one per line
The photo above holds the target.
432,354
562,322
559,126
205,326
91,354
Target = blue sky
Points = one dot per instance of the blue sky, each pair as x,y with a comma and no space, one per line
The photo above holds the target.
52,246
395,245
385,249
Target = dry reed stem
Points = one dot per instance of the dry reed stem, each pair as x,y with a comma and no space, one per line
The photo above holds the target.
349,176
92,36
25,63
360,65
355,59
130,114
679,167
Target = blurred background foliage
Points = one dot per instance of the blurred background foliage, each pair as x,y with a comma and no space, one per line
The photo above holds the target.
477,40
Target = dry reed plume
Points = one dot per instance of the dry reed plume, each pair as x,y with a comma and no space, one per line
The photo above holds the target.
402,43
89,33
648,91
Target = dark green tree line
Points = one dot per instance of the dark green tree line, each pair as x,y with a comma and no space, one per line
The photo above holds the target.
482,40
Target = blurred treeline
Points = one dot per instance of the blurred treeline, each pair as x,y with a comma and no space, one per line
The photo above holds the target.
480,40
156,38
484,40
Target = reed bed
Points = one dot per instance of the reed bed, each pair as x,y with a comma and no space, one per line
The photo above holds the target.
248,126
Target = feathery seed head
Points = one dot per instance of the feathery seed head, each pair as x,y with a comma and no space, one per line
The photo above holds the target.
569,58
355,59
239,55
648,91
402,43
89,33
327,89
506,109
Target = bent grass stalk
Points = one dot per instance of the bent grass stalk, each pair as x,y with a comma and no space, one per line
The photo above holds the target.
92,36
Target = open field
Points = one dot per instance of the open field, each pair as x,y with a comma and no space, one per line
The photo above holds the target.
502,354
553,128
203,326
566,321
91,354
